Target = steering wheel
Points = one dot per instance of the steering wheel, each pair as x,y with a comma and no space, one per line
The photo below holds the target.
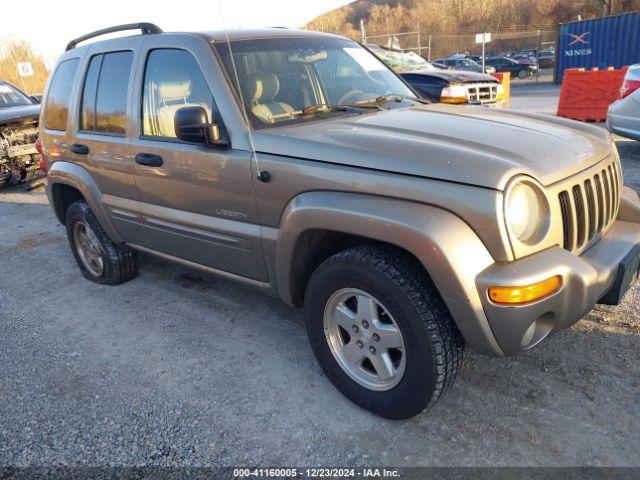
349,94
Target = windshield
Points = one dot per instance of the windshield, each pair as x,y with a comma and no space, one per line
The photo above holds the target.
280,77
403,61
11,97
470,63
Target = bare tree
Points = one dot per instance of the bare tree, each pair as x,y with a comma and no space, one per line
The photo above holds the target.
14,51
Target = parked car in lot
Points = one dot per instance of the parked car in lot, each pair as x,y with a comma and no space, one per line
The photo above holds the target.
441,66
465,64
525,58
18,134
437,85
546,60
506,64
299,164
623,117
400,60
456,87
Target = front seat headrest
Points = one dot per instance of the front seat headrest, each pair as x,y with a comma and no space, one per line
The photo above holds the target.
265,87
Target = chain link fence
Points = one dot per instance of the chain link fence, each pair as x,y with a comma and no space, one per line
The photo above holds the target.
437,46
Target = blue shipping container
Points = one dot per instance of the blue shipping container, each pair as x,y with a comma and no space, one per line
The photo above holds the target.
601,42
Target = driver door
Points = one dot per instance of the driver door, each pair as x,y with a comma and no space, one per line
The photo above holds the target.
197,201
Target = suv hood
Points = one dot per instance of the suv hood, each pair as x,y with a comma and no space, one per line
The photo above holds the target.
10,114
454,76
466,144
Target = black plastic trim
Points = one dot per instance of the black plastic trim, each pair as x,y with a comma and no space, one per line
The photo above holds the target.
144,27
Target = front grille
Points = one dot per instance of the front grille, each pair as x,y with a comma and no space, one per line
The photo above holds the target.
590,206
482,92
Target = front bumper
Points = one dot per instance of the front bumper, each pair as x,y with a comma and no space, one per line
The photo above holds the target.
585,280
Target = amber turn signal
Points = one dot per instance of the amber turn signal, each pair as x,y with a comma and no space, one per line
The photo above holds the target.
521,295
454,100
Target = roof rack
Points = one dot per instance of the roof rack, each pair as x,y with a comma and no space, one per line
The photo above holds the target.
145,28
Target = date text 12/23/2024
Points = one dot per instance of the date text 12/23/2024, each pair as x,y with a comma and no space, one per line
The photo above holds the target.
316,473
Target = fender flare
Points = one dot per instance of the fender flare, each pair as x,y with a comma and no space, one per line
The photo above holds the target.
445,245
73,175
629,209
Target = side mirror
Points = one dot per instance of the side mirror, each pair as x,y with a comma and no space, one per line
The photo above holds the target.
192,125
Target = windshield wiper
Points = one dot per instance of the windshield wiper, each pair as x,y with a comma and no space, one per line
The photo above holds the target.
393,97
338,107
376,103
313,110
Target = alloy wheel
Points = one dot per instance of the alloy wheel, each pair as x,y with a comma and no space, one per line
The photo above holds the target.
89,249
364,339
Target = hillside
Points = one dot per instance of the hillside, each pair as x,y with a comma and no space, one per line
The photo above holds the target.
461,16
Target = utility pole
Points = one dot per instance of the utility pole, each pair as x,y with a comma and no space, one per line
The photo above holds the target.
363,33
484,43
538,56
419,42
429,50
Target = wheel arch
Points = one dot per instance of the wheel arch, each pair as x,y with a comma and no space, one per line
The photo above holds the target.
315,224
68,182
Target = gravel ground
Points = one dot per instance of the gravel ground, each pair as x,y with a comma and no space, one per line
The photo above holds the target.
177,368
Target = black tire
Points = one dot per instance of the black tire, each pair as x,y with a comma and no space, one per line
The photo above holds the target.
120,264
434,346
523,74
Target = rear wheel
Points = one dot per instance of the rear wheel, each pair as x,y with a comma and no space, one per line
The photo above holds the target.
100,260
381,332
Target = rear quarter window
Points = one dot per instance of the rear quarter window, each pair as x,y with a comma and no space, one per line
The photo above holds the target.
104,95
57,106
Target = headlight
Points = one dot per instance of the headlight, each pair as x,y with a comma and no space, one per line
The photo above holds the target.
453,94
527,212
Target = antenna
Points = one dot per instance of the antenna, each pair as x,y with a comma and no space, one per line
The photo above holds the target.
262,176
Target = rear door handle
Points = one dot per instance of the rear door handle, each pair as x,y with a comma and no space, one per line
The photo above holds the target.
79,149
149,160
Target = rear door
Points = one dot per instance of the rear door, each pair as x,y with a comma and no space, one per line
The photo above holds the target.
197,201
101,143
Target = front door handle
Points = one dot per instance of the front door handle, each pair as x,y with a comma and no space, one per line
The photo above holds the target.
149,160
79,149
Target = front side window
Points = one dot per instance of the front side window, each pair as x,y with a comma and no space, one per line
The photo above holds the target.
57,107
279,77
12,97
104,96
172,80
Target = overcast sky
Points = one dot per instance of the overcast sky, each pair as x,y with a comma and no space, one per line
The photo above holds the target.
50,24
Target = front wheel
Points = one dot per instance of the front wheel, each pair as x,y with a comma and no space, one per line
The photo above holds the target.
381,332
523,74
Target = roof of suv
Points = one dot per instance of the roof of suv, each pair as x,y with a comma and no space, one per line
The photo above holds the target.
241,34
214,35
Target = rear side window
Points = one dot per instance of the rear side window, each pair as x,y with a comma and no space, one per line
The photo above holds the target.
57,107
104,96
172,80
89,90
